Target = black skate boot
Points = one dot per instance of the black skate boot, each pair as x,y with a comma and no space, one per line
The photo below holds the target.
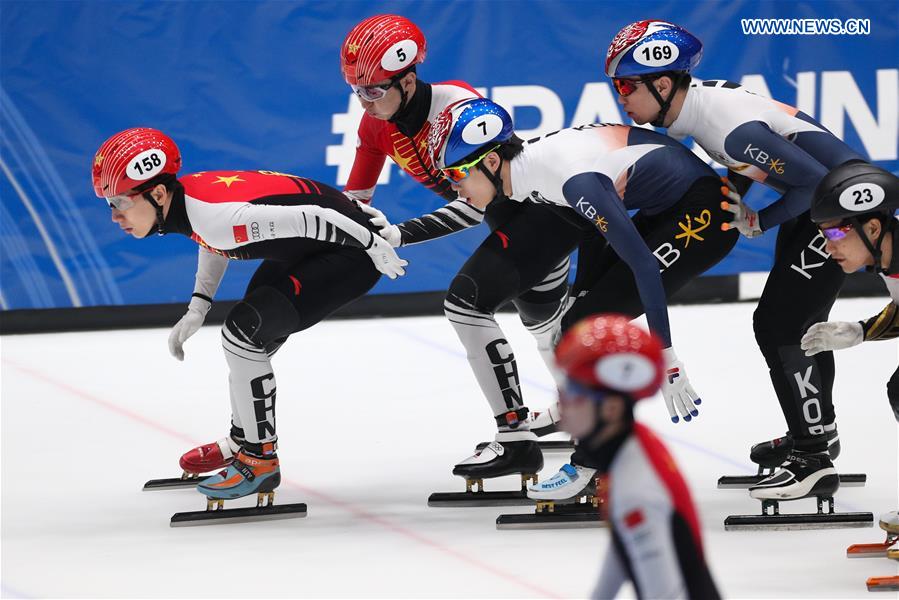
802,475
502,458
771,454
513,452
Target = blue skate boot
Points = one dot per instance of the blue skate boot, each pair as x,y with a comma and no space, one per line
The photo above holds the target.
247,474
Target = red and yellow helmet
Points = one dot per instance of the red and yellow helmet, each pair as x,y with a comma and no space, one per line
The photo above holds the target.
131,158
381,47
608,352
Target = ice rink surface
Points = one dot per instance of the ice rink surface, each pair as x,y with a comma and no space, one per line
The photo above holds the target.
372,415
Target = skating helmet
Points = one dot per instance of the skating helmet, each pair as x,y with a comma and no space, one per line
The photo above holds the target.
466,128
610,353
380,48
652,46
132,158
855,189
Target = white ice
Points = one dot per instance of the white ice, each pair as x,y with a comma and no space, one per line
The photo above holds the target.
372,415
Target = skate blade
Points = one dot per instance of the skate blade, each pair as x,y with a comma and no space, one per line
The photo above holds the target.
174,483
563,516
502,498
545,445
534,521
883,584
740,482
868,550
783,522
238,515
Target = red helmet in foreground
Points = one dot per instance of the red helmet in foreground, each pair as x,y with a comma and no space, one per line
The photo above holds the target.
610,353
131,158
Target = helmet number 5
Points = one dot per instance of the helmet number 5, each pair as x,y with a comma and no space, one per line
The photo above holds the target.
400,54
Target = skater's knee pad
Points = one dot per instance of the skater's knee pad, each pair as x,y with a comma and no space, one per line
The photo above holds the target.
481,295
533,314
772,329
265,317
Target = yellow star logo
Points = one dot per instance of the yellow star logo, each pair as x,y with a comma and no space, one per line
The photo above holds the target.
692,233
98,160
352,48
602,224
228,180
200,174
401,162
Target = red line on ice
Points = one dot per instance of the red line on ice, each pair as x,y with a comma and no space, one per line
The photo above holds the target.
356,511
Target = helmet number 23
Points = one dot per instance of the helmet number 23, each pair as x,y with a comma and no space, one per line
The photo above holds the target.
862,197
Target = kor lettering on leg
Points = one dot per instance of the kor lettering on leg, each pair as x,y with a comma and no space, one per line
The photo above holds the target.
506,371
816,246
264,392
811,406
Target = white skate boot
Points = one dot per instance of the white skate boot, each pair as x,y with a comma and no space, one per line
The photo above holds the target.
570,482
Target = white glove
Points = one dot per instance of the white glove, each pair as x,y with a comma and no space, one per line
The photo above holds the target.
833,335
385,259
680,397
745,220
386,230
188,325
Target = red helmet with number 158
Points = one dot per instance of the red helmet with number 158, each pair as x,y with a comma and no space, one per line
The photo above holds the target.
131,158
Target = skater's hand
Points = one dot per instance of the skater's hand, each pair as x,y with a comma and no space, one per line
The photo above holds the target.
680,397
188,325
833,335
385,258
745,220
386,230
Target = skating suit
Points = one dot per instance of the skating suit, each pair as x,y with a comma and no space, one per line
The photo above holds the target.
765,140
261,214
787,150
600,172
656,537
405,141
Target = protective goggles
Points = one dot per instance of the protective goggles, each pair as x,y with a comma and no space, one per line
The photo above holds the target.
459,172
836,233
626,87
577,393
122,201
370,93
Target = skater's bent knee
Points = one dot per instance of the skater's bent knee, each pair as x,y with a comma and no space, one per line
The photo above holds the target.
263,317
466,292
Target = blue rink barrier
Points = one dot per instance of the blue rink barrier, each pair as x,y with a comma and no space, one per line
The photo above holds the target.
256,85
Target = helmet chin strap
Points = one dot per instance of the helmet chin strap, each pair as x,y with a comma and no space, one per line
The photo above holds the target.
159,227
165,179
664,103
404,97
875,248
495,178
